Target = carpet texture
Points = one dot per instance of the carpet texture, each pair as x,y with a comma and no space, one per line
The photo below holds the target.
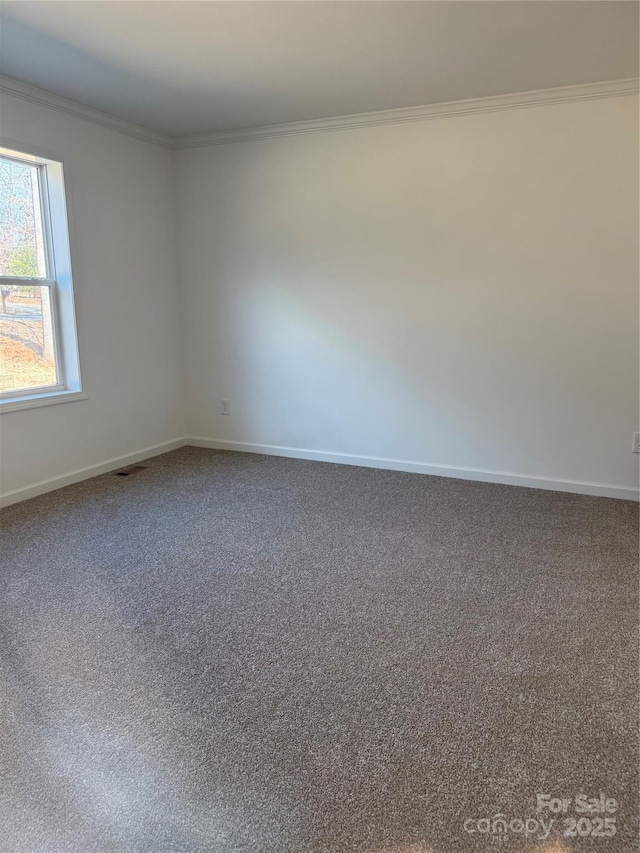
247,654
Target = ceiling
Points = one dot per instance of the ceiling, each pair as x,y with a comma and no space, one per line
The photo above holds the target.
193,67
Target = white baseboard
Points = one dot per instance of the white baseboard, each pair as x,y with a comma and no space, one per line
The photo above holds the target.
478,474
79,474
532,482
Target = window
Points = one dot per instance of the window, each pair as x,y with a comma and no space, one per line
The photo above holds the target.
38,347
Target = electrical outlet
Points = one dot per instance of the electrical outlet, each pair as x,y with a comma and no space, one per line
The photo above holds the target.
225,407
636,442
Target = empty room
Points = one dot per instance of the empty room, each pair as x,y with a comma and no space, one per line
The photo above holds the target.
319,426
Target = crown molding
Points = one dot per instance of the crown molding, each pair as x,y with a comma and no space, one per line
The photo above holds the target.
519,100
44,98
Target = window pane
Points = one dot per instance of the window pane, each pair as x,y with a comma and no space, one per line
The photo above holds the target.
21,243
27,352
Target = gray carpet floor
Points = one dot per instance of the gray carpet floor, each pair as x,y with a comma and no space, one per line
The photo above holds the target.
246,654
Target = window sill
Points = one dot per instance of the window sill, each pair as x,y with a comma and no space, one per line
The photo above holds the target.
15,404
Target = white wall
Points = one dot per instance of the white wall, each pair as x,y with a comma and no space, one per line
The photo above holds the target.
458,292
121,198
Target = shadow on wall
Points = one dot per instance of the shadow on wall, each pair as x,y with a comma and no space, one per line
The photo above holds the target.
353,380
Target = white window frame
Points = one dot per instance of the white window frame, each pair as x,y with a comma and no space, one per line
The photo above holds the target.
59,281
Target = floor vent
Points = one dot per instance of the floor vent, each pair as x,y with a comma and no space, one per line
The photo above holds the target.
132,469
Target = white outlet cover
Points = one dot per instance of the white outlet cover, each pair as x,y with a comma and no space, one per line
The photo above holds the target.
636,442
